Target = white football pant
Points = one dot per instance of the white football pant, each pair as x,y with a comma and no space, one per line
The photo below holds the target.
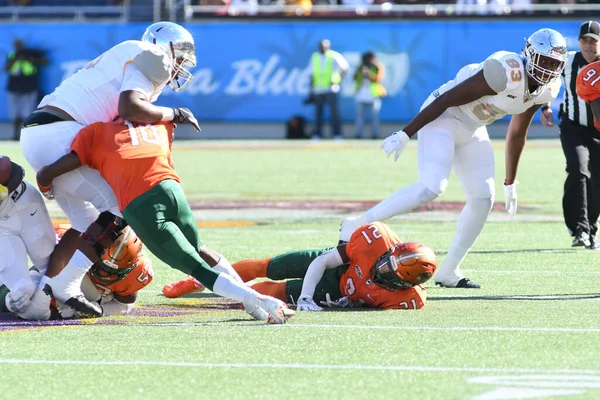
25,229
82,194
443,144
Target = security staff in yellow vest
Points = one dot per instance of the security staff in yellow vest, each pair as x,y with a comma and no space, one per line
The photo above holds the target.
369,91
328,68
22,84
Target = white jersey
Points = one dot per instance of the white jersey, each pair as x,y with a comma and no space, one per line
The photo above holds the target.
514,99
92,94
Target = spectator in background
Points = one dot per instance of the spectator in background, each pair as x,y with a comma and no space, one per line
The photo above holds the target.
22,67
581,145
328,68
369,91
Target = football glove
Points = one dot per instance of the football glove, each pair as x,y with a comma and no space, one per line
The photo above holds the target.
18,301
395,143
341,302
306,303
510,198
3,192
185,116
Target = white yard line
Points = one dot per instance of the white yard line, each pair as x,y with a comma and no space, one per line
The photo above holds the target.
412,368
375,327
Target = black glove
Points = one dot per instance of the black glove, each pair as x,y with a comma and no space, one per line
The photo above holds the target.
185,116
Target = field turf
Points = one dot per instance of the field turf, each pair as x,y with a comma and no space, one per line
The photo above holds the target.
532,331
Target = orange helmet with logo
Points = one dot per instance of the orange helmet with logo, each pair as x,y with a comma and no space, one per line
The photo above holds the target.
404,266
119,259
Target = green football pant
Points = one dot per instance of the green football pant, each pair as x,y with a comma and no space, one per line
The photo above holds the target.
164,222
295,264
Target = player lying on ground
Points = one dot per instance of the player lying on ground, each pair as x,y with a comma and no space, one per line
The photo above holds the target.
113,282
136,162
374,269
25,230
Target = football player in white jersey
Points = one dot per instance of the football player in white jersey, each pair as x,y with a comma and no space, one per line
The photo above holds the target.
452,133
121,82
25,229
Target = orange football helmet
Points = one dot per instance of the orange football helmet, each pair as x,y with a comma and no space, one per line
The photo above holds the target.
120,258
404,266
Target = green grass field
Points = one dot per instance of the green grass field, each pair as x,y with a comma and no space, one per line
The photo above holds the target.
532,331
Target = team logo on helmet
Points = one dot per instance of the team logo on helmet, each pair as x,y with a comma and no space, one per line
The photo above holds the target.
404,266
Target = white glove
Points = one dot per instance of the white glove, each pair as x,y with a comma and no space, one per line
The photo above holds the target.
395,143
18,301
341,302
510,198
306,303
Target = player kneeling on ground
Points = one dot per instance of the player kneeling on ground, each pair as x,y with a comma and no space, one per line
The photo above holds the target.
135,160
374,269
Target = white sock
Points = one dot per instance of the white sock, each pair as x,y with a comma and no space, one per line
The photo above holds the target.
75,269
225,267
228,286
470,223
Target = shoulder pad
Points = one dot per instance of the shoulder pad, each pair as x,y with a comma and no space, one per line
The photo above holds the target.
154,64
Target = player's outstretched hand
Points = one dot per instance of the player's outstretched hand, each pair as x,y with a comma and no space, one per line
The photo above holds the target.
510,198
185,116
395,143
342,302
306,303
44,184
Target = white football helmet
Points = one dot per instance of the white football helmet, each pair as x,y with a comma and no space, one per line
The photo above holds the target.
178,43
541,46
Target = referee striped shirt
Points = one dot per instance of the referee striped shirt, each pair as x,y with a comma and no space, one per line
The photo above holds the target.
572,107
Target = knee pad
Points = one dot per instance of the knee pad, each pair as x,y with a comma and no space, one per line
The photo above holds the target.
112,227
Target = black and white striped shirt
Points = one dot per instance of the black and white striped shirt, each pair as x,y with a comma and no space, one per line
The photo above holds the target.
572,107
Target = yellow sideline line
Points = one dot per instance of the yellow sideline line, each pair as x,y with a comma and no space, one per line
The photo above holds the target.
200,224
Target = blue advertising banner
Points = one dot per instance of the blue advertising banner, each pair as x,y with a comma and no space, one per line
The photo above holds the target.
258,71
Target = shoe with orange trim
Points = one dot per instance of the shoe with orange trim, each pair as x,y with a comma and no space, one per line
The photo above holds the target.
184,286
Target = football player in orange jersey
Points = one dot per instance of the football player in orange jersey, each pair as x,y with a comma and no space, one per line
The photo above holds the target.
588,88
135,160
113,281
374,269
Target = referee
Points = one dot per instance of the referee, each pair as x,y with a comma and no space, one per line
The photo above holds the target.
581,145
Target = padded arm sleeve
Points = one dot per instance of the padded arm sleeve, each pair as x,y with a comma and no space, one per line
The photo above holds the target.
495,75
316,269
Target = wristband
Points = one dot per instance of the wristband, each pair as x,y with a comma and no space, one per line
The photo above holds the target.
44,188
545,107
508,183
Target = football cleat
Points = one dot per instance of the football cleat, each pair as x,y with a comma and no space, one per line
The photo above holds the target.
581,240
77,302
464,283
279,313
182,287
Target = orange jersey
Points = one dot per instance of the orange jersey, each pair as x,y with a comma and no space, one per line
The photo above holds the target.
588,84
132,158
367,244
138,278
